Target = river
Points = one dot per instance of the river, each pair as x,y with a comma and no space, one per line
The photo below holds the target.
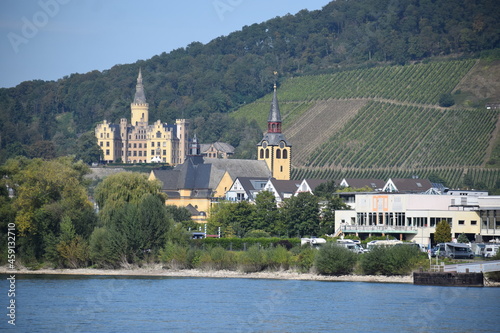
55,303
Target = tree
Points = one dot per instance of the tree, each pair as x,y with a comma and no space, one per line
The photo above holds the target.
87,149
232,218
133,211
327,224
326,189
443,232
300,215
48,195
266,212
446,100
462,238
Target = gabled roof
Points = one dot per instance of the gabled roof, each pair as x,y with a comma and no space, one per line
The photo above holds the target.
283,187
407,185
199,174
309,185
363,182
219,146
240,168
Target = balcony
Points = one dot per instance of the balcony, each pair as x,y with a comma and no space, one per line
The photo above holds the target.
386,229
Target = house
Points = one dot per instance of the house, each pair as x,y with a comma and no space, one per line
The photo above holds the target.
217,150
358,183
407,185
201,181
309,185
246,188
281,189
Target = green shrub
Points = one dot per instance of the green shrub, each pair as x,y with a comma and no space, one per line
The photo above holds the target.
304,260
278,258
176,256
217,259
494,276
335,260
395,260
257,234
252,260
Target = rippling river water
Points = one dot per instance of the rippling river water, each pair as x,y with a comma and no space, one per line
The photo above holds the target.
165,304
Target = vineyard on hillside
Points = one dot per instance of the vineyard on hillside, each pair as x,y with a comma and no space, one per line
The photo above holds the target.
385,122
386,135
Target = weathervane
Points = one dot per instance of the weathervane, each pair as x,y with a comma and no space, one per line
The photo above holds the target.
275,78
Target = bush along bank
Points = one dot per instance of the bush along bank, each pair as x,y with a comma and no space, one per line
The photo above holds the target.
327,260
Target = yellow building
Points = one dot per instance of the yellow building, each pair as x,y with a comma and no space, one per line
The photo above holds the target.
140,142
274,148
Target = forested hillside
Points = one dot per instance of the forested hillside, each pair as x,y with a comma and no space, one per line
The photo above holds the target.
45,119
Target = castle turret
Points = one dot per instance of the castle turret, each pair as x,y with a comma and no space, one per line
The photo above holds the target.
140,109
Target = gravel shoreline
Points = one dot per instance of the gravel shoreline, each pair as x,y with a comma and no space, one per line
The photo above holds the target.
158,271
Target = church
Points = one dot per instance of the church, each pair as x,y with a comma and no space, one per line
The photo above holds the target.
139,142
200,181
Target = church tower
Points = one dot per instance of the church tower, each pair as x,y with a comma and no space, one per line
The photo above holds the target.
140,109
274,147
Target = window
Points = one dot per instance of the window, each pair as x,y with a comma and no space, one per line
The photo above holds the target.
152,152
164,152
100,144
267,153
107,144
135,145
278,153
140,145
473,222
158,135
461,222
285,153
152,144
262,153
107,151
140,153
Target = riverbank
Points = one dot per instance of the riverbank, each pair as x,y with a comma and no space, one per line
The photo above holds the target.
158,271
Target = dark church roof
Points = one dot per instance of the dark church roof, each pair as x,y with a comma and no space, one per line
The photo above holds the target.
202,175
274,113
140,97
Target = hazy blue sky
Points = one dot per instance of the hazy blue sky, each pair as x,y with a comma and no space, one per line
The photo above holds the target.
48,39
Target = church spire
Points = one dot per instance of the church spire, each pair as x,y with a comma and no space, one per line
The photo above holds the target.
139,97
274,120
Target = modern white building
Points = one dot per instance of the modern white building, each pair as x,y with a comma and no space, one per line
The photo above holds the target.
414,217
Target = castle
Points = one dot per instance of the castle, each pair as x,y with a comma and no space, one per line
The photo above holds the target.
140,142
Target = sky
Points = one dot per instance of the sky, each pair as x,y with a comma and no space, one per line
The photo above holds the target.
49,39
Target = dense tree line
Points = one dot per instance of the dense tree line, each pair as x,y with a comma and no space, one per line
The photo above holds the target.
303,215
229,71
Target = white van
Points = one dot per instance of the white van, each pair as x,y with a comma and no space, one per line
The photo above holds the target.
490,250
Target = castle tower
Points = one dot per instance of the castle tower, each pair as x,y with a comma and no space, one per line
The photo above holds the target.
140,109
274,148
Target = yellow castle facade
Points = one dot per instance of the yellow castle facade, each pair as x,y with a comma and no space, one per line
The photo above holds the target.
139,142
